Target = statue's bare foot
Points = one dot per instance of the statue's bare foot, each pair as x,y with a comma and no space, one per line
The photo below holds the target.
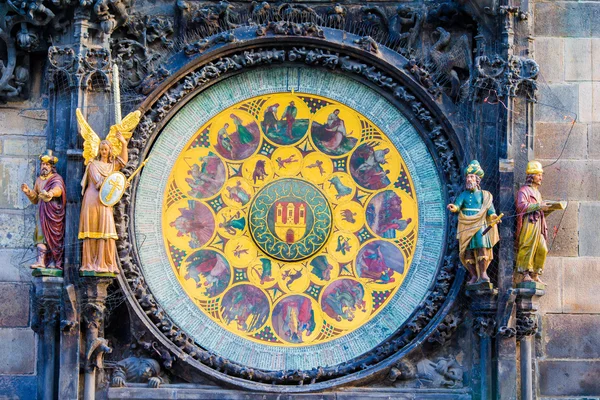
485,278
472,281
536,278
37,266
526,277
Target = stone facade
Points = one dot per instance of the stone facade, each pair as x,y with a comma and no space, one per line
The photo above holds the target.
22,139
567,360
567,48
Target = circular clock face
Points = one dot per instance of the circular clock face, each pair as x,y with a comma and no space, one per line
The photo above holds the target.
281,231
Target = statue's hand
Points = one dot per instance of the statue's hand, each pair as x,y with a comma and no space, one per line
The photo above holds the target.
25,188
120,138
154,382
495,219
45,196
452,208
118,381
545,206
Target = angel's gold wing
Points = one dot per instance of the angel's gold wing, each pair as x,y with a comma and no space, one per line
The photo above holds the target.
126,127
91,141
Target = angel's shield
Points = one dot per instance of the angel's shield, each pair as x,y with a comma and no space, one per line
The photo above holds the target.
112,189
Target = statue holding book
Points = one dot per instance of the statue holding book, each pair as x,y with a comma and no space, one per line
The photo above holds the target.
532,231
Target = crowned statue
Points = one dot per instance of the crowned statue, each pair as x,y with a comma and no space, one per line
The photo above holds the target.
96,224
477,225
49,194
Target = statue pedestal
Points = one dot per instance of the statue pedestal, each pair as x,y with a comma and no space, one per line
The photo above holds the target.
47,272
480,286
94,274
484,304
94,291
528,302
48,297
532,285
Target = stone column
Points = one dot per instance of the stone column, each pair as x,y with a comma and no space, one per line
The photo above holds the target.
48,293
93,297
527,325
484,303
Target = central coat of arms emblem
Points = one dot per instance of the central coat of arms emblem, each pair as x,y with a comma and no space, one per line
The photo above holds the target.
290,219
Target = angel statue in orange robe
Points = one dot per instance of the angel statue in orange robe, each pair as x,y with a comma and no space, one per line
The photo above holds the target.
96,222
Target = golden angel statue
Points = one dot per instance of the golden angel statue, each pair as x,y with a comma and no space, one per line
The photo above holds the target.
96,222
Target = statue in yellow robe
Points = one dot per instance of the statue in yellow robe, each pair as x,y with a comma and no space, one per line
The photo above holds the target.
532,231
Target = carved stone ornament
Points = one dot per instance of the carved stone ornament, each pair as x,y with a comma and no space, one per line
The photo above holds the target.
495,77
202,76
442,372
484,326
527,325
136,370
445,330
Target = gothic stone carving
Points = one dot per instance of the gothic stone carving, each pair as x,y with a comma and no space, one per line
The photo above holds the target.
495,77
291,28
80,68
484,325
136,46
137,370
445,330
442,372
452,61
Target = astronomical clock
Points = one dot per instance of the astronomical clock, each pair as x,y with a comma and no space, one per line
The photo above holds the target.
290,219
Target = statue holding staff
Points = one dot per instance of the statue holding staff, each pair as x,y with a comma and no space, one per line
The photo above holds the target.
96,223
49,234
477,225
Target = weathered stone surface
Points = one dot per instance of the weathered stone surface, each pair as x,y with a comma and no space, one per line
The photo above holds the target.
30,147
560,331
594,141
578,59
18,349
14,172
18,387
551,302
11,123
569,378
580,293
557,103
568,19
589,106
16,229
14,300
549,54
563,231
571,180
551,139
596,59
14,265
589,244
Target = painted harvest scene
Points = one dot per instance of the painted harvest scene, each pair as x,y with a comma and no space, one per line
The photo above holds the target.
290,219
